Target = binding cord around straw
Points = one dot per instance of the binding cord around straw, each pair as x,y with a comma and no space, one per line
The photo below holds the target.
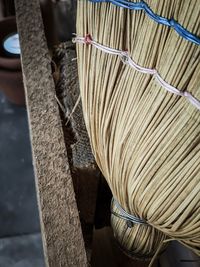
126,59
159,19
130,219
125,225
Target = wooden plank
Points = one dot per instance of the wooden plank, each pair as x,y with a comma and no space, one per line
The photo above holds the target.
62,236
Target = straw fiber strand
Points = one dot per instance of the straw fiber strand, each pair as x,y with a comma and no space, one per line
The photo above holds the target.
145,139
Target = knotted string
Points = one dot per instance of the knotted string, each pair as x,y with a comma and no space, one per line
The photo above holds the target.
126,59
130,219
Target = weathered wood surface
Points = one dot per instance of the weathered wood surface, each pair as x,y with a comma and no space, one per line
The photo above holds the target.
68,93
62,236
85,172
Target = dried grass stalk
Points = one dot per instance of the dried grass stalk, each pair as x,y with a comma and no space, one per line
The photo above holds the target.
146,140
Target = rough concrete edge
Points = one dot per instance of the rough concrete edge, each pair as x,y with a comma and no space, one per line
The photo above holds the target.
61,231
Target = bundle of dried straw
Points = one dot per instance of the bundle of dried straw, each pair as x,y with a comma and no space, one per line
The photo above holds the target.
140,90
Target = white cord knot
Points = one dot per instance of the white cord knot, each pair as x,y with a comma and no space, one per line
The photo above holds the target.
124,57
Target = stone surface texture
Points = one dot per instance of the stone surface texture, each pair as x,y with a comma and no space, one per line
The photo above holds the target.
18,207
21,251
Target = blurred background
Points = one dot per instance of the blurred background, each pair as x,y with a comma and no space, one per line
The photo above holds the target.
20,240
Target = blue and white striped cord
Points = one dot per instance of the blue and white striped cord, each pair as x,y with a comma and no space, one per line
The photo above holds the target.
159,19
126,59
130,219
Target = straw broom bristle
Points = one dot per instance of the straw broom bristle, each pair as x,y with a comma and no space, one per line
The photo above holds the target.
145,139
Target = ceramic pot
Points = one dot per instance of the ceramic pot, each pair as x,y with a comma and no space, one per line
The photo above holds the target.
11,82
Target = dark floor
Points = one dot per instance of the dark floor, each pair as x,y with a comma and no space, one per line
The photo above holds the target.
20,241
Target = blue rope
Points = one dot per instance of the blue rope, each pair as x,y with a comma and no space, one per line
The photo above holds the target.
168,22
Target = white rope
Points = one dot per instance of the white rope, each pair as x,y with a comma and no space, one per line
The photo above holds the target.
126,59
